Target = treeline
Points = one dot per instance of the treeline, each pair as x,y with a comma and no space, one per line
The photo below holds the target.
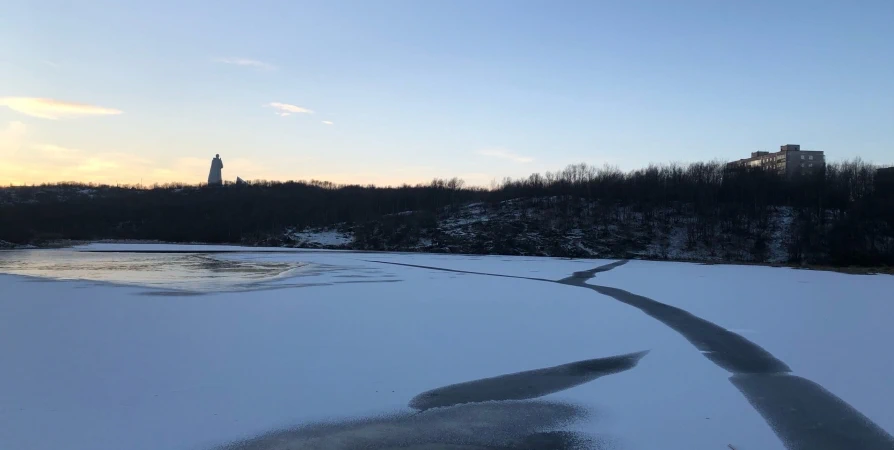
225,214
843,215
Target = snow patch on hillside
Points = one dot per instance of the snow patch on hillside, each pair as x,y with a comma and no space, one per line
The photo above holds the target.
554,226
322,237
781,226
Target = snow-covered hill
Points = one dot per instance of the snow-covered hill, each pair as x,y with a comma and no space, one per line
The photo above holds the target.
564,228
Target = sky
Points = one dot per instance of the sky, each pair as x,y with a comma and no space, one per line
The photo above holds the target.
403,91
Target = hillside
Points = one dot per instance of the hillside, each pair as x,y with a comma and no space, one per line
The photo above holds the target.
701,212
561,228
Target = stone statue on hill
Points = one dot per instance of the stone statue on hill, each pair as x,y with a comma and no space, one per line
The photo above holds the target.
215,178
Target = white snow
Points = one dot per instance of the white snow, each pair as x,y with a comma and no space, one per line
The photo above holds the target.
323,237
832,328
468,215
782,233
103,367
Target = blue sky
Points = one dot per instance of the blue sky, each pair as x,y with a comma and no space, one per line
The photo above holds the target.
402,91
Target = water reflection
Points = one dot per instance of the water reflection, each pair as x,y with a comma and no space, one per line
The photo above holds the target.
192,272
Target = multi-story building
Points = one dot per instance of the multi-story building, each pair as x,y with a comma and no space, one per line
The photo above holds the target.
789,161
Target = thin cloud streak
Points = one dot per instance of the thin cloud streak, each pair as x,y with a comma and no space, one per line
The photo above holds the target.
328,122
57,151
505,154
12,140
14,128
245,62
55,163
47,108
285,109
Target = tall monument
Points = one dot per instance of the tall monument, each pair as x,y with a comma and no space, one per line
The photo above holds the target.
214,176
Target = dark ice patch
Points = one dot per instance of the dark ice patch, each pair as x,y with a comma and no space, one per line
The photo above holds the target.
806,416
525,385
510,425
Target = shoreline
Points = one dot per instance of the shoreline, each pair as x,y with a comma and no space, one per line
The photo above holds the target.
61,244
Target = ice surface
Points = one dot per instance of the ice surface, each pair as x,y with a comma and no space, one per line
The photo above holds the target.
832,328
168,271
140,247
99,366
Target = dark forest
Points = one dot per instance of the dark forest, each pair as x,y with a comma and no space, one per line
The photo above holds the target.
843,215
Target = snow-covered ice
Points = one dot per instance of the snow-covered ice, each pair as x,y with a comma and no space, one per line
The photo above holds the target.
103,366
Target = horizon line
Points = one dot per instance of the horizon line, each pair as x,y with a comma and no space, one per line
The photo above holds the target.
493,185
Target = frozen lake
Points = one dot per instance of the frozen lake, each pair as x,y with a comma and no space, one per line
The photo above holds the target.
182,347
190,272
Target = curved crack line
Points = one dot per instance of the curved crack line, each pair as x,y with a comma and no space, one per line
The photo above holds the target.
803,414
724,348
459,271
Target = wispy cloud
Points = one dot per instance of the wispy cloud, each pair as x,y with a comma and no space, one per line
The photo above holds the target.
47,108
57,151
505,154
245,62
285,109
328,122
12,138
41,162
14,128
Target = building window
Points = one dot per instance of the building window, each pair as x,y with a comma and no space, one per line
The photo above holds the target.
810,165
802,164
802,156
810,158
